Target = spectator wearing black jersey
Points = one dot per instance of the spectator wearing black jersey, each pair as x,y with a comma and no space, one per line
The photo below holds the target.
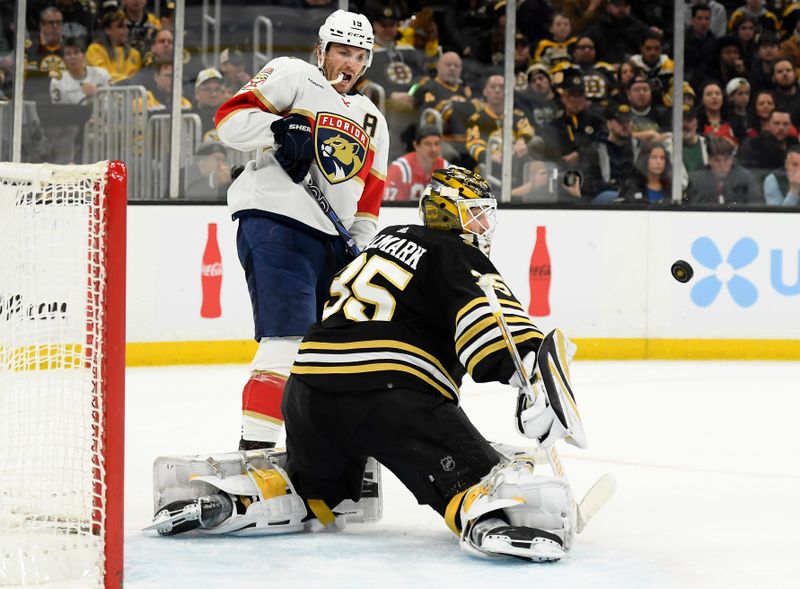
617,33
608,162
699,40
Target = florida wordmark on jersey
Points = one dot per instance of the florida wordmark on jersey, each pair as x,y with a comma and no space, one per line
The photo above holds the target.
408,313
351,147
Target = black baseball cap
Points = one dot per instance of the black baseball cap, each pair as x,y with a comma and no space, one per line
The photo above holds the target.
619,111
570,80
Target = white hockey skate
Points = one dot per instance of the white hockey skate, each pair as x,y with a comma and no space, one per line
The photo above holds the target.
518,541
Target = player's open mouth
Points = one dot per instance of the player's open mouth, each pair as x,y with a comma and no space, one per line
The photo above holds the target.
346,77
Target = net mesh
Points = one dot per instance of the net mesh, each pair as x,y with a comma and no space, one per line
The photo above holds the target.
52,471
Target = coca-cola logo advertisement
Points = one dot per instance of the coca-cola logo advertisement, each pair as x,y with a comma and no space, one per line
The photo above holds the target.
211,276
540,275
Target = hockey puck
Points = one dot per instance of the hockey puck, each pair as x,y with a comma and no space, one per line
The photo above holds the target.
682,271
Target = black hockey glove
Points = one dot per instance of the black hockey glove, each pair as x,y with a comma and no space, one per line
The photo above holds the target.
294,145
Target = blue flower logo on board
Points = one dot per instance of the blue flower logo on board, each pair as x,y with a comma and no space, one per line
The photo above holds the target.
743,292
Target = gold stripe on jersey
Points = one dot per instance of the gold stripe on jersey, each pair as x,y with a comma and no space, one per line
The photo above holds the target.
376,173
366,368
228,116
263,416
482,325
490,349
367,215
482,301
478,335
304,112
270,107
373,346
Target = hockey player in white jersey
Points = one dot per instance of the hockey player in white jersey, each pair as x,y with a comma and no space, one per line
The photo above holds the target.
304,121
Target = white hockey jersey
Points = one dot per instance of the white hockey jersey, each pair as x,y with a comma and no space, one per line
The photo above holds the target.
65,89
351,145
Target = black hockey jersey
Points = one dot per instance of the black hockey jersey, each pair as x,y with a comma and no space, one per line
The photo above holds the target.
408,313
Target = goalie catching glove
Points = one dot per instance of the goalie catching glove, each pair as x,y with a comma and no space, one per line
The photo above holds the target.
295,147
546,407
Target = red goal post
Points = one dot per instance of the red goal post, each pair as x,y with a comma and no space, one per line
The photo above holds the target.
62,373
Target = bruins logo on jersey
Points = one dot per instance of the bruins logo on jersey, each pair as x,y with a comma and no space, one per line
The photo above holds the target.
399,73
341,147
53,65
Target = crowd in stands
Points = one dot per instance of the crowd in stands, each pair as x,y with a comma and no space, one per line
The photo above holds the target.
593,98
594,94
75,47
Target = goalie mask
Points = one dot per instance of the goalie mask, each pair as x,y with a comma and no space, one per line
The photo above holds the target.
461,201
346,28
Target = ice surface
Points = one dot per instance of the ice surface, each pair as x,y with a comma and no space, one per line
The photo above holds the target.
705,456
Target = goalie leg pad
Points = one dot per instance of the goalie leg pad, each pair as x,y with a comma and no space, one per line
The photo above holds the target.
259,495
512,512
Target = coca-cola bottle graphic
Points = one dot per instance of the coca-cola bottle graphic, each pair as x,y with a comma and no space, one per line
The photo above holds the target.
540,276
211,276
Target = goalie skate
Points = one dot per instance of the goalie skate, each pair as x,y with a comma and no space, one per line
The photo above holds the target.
525,543
182,516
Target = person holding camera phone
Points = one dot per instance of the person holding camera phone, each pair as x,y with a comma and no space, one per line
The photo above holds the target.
545,182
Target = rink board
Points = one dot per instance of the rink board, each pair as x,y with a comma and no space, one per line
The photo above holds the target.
611,287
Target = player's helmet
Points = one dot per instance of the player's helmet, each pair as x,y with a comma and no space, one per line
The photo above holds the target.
460,200
347,28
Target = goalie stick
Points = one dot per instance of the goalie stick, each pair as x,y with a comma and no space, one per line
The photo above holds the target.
595,498
599,494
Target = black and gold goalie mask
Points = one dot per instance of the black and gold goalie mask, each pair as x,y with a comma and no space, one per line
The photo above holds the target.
460,200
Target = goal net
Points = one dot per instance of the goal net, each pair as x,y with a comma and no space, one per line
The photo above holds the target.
62,338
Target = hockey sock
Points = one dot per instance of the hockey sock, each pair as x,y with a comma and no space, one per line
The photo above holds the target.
262,419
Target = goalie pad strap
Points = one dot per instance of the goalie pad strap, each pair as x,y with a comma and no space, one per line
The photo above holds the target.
451,513
321,511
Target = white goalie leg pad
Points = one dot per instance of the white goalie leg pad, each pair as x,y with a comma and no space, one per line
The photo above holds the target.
273,507
513,512
253,481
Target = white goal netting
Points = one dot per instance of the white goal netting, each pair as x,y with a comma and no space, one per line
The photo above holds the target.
52,455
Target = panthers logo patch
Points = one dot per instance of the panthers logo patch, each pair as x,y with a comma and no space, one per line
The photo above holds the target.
341,147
